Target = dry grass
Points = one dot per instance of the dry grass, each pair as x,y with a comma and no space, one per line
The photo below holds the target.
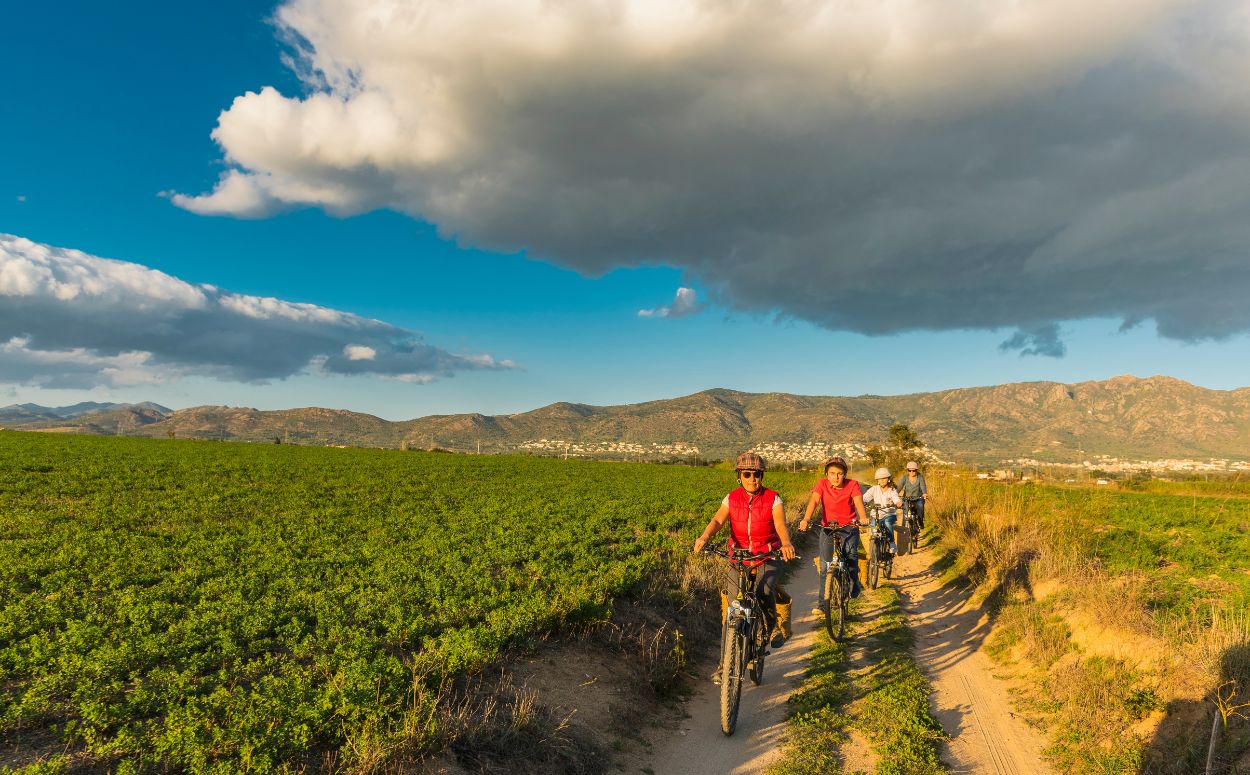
1102,663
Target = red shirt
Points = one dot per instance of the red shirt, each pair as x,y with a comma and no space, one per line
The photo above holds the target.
839,504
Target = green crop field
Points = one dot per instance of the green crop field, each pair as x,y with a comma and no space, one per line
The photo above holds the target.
223,607
1194,545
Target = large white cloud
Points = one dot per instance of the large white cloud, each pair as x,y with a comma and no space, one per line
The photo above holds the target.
70,319
881,166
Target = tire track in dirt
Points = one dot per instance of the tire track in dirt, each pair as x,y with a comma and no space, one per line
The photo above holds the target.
986,735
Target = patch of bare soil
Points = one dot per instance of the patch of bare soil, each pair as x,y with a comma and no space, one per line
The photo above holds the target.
972,704
588,688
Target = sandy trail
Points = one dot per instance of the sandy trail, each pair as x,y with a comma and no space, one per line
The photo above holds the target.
970,703
696,745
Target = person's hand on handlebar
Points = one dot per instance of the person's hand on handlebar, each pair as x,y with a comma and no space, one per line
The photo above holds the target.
787,552
699,543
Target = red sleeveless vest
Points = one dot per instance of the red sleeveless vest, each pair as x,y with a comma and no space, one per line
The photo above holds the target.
751,520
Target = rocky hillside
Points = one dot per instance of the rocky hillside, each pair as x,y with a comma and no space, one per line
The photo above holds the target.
1125,416
17,415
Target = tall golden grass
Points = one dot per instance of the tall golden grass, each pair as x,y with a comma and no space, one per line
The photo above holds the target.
1031,564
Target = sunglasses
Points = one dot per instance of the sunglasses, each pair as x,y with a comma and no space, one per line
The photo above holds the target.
751,474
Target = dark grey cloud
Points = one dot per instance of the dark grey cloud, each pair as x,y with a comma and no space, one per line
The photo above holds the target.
1043,340
69,319
965,165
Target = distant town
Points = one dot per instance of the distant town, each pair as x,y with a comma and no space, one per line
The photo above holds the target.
785,453
1115,465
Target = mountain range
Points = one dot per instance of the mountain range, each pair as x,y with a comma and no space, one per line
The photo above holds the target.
16,415
1127,417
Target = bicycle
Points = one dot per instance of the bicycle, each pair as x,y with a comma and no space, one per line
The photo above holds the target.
744,635
911,524
837,581
880,556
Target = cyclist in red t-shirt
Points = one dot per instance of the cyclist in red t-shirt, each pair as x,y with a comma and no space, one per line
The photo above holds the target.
843,501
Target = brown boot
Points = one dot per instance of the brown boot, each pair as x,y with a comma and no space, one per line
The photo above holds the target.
783,619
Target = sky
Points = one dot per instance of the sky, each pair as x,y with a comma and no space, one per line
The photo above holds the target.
414,208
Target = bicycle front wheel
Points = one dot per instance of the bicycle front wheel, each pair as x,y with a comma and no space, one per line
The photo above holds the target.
835,611
845,585
733,652
874,562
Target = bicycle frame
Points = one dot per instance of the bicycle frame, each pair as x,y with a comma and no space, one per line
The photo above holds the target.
836,580
910,520
743,634
879,553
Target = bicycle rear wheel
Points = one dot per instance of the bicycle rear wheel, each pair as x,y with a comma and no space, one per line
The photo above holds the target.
731,663
759,646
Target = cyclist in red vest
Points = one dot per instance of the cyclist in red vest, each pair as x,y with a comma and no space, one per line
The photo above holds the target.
757,522
842,501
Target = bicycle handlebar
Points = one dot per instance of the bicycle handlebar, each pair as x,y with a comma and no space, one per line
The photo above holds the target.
743,555
835,528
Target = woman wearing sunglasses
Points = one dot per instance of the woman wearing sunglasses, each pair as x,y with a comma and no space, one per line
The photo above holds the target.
757,522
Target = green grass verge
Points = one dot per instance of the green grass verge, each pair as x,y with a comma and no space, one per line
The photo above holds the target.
893,707
818,722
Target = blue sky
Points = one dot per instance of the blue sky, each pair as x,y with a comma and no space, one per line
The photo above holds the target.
112,110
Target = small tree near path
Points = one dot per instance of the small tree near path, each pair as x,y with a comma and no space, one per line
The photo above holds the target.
902,444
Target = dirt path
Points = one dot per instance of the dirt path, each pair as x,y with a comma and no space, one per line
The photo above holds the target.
696,745
971,704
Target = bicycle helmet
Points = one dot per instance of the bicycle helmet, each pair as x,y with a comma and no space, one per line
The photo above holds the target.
836,460
749,461
882,473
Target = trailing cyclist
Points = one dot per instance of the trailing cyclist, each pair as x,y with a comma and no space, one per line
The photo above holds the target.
884,494
757,522
843,503
913,488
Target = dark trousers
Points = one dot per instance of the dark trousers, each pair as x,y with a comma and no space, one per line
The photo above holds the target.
848,537
765,584
919,503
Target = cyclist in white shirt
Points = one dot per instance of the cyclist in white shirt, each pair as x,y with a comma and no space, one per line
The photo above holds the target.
885,495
